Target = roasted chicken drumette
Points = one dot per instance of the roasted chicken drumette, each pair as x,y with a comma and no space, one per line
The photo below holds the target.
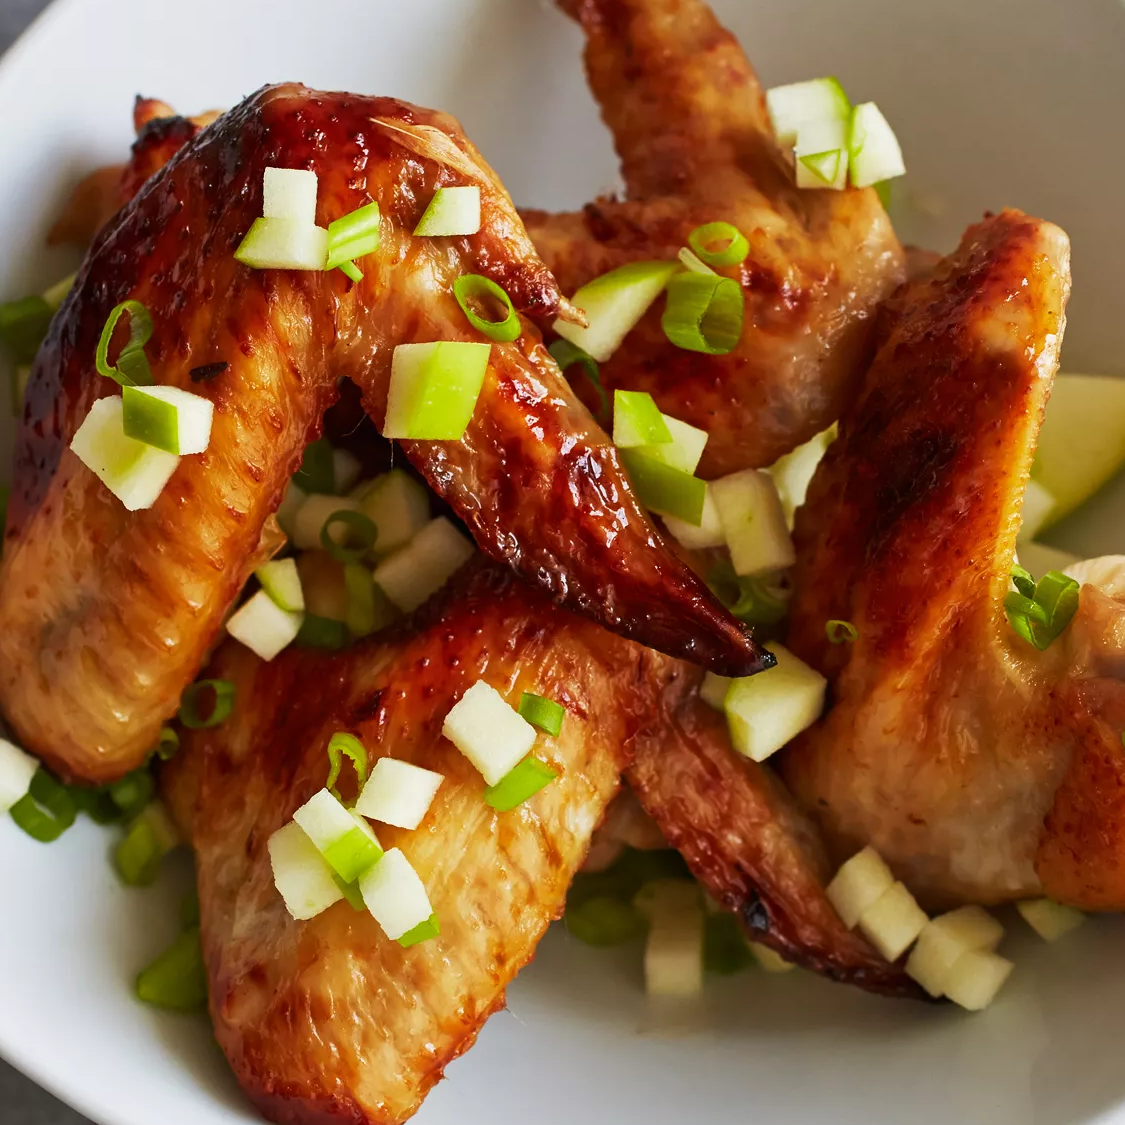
689,120
980,768
106,615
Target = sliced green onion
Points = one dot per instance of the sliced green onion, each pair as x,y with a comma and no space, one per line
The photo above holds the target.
23,327
603,921
839,632
131,369
703,239
566,354
1040,614
519,784
282,244
637,421
95,803
363,615
689,261
453,211
354,236
545,714
665,489
47,810
340,745
132,792
703,314
57,293
352,272
434,389
177,979
430,928
757,601
323,632
473,287
147,840
191,714
168,418
317,473
725,949
189,910
350,891
361,533
168,744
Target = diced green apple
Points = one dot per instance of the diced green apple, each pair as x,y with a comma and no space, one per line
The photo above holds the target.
1038,504
945,939
821,153
491,733
874,154
769,960
893,921
281,579
753,523
395,895
637,421
674,946
685,449
414,574
324,585
263,626
709,533
289,193
663,489
766,710
1038,558
859,884
346,469
1050,920
282,244
398,793
344,839
434,389
173,420
614,304
17,768
976,978
713,690
793,473
290,505
819,99
453,211
134,472
1082,442
303,879
399,507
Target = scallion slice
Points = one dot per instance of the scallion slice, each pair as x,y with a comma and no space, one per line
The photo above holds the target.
47,810
132,792
733,247
434,389
23,327
131,369
430,928
192,712
351,892
637,420
566,354
168,744
725,949
354,236
342,745
603,921
368,607
322,632
703,314
474,287
317,473
353,273
519,784
1040,613
147,840
177,979
453,211
665,489
841,632
360,536
545,714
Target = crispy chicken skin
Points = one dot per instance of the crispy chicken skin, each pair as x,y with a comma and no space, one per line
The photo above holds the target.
106,615
747,843
689,119
980,768
328,1020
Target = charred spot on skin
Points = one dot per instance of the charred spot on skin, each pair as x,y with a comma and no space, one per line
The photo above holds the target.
208,371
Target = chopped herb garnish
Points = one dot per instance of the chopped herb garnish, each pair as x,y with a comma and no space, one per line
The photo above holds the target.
839,632
1040,611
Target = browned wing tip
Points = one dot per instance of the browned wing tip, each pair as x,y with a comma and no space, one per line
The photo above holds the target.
571,313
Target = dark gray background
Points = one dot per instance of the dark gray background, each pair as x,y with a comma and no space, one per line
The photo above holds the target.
21,1101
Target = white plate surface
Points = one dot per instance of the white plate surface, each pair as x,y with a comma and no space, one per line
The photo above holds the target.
998,102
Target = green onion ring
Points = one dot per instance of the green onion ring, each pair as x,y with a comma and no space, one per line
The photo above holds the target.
132,369
839,632
323,632
734,252
168,744
132,792
703,314
339,745
361,529
47,810
351,271
473,286
190,714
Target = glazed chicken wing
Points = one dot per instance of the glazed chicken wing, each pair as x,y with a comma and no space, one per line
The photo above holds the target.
689,119
980,768
106,615
328,1019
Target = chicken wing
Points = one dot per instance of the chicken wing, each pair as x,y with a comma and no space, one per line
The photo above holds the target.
747,843
106,615
328,1019
981,768
696,146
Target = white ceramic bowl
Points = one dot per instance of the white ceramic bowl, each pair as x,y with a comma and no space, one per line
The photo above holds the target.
998,102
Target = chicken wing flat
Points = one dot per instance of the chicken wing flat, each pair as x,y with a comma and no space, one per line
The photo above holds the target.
328,1020
106,615
981,768
746,842
689,120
